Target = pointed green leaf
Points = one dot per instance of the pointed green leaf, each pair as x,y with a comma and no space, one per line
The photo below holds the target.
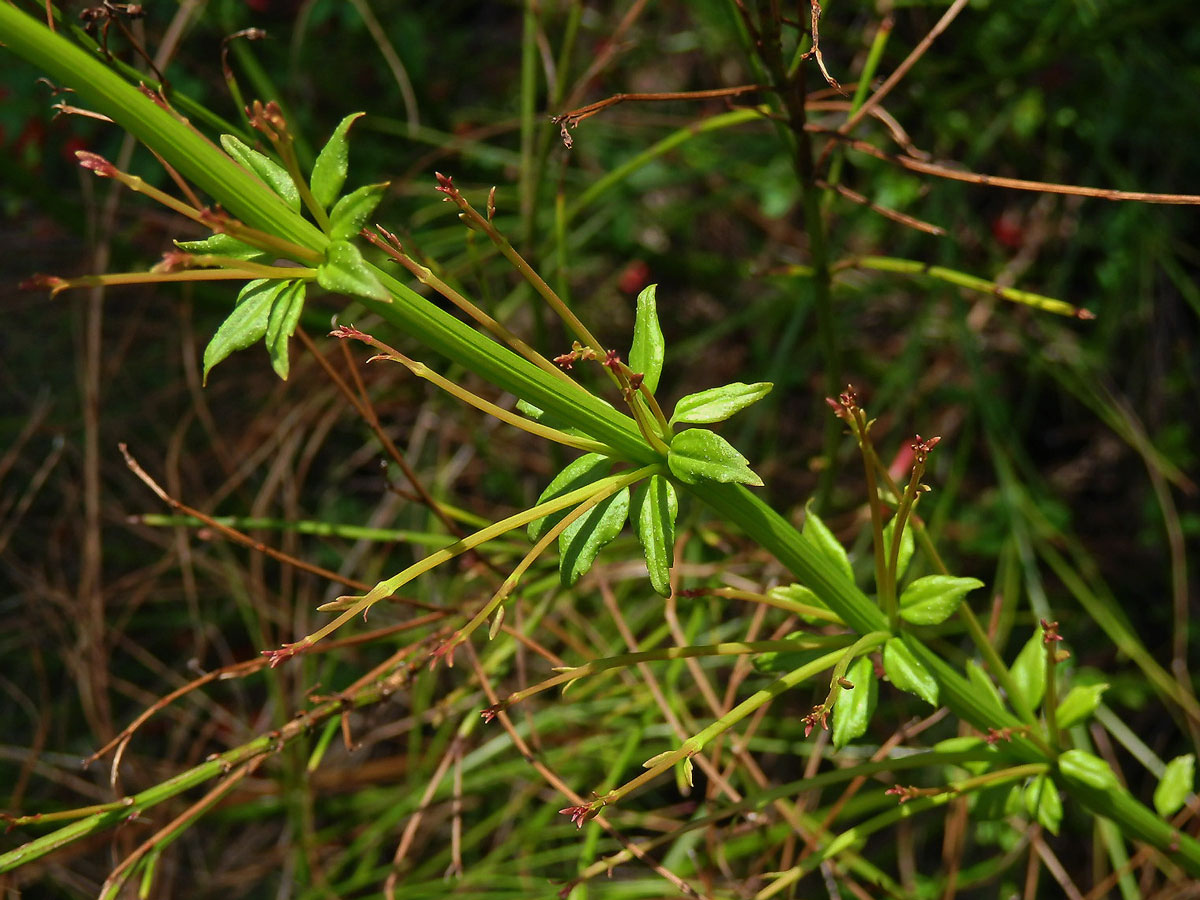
1043,803
1079,704
817,535
1089,769
583,539
799,594
352,211
222,245
934,598
907,673
246,325
697,456
906,546
979,679
646,354
1177,782
652,516
1029,670
344,271
281,325
589,468
719,403
329,171
854,708
269,171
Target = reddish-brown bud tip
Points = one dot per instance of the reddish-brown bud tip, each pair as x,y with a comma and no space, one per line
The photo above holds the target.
96,163
578,814
279,656
1086,314
39,281
346,331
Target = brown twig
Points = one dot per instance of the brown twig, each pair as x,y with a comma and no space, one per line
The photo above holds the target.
247,541
899,217
572,118
1017,184
901,70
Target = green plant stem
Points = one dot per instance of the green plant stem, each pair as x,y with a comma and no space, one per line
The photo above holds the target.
961,279
693,745
773,599
485,406
353,606
885,582
252,202
572,674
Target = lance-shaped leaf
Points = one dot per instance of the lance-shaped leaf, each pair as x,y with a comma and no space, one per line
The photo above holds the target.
1089,769
652,515
979,679
329,171
906,546
352,211
272,174
583,539
907,673
698,455
247,324
1177,782
816,534
224,245
803,596
1029,671
281,324
646,354
1043,803
344,271
589,468
934,598
854,708
719,403
1079,704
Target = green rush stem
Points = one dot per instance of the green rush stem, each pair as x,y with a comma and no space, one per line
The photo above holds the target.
139,186
475,220
355,605
978,636
262,240
771,599
907,501
510,583
1050,702
696,742
817,782
517,421
426,276
220,764
728,648
856,834
961,279
883,574
193,275
258,269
